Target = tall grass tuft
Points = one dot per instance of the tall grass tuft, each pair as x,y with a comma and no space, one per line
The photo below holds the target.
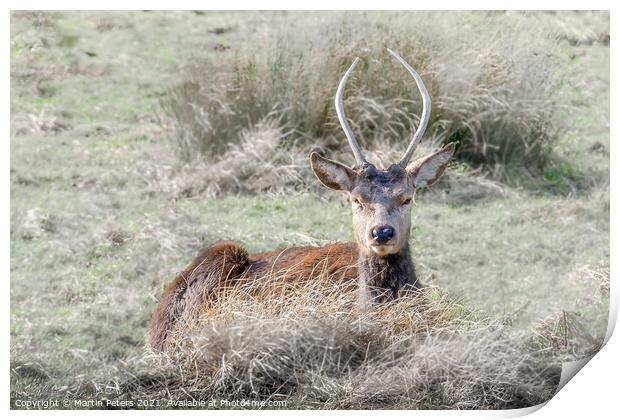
491,77
310,346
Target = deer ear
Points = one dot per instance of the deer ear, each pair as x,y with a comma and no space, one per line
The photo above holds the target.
332,174
427,170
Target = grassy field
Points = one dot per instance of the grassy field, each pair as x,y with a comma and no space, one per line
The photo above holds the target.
105,212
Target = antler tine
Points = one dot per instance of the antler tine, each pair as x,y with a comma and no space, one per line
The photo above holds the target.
426,110
359,158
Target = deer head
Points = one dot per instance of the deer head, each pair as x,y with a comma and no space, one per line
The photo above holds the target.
381,199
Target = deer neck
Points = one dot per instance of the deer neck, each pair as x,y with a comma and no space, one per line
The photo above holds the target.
382,278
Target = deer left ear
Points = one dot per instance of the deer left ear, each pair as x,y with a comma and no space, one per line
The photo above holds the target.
427,170
332,174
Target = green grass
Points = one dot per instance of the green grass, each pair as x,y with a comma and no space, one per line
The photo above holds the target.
103,214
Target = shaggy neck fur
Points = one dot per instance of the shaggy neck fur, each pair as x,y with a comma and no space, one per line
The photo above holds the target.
383,278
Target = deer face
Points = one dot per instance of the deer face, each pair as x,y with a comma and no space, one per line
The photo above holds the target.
381,198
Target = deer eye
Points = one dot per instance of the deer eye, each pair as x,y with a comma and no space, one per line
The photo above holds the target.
406,202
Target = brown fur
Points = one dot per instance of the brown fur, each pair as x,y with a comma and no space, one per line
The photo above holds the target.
184,297
216,267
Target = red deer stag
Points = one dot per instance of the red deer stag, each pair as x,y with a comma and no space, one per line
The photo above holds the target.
379,260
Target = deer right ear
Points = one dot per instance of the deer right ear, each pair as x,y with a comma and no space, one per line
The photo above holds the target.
332,174
427,170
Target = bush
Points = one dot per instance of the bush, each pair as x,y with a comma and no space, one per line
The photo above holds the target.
490,77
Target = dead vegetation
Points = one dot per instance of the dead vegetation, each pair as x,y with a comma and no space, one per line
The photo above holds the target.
566,332
310,348
267,160
491,93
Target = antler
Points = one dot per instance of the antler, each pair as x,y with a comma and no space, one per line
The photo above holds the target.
359,158
417,136
426,110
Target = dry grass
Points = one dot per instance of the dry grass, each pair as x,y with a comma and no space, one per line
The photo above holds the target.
600,275
566,332
262,162
491,85
311,346
266,161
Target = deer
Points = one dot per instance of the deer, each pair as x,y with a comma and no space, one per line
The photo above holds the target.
379,261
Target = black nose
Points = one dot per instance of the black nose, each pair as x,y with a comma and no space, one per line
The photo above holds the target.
382,234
